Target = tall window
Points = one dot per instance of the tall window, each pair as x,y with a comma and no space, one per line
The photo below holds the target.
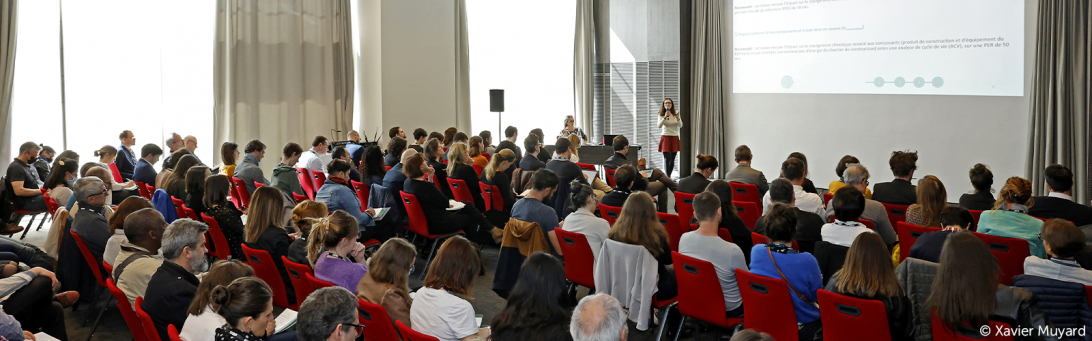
36,92
525,48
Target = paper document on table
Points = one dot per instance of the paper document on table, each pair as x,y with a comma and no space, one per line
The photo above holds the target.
590,173
381,212
285,320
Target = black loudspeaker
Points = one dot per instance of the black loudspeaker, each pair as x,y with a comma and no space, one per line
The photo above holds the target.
496,100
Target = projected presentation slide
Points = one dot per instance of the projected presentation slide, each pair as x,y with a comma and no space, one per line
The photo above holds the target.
913,47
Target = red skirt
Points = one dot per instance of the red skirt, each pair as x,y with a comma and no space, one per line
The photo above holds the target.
670,144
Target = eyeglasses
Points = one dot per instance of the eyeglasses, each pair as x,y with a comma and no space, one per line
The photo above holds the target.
104,191
359,328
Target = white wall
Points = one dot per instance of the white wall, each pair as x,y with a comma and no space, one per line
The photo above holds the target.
950,133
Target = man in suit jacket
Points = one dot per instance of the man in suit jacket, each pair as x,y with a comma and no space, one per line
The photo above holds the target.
173,286
145,169
1059,203
531,162
743,173
899,191
126,160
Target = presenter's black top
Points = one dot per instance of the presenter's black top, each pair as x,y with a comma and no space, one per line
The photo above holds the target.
896,192
977,201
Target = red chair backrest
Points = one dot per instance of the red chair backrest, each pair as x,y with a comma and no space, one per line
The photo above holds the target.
117,174
487,195
684,205
320,179
478,169
610,176
868,223
699,288
748,212
975,214
908,236
826,198
723,233
362,193
265,269
746,192
306,181
299,198
767,306
220,248
377,323
143,190
436,180
92,262
297,275
1088,294
244,194
51,205
673,227
459,190
146,321
1010,254
109,270
417,222
895,213
235,198
610,213
315,282
178,207
190,213
758,239
172,332
131,319
579,259
942,333
412,335
586,166
258,184
388,168
851,318
487,156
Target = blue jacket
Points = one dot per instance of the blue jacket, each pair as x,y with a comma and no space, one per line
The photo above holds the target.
162,202
1064,303
802,271
126,163
339,197
144,172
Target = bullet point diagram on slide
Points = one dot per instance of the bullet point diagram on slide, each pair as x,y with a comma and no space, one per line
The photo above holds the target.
900,82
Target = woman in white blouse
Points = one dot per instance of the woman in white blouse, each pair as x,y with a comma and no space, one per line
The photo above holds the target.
669,123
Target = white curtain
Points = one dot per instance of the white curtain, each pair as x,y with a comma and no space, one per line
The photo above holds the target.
584,65
708,94
283,72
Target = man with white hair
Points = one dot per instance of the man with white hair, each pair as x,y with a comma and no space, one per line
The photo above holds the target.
857,176
90,220
328,314
174,285
174,143
599,317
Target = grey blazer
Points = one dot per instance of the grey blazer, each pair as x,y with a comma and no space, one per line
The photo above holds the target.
745,174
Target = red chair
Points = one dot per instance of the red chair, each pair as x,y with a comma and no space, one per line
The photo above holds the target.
1088,294
51,205
362,193
684,205
419,226
826,198
117,174
436,180
746,192
96,270
190,213
376,321
297,275
610,213
492,201
895,213
975,214
579,259
767,306
748,212
723,234
477,169
265,269
460,191
143,191
699,288
244,193
586,166
487,156
320,179
942,333
220,247
908,236
131,319
178,204
306,181
109,270
851,318
172,332
388,168
610,176
412,335
673,227
258,184
299,198
149,327
315,282
758,239
1010,254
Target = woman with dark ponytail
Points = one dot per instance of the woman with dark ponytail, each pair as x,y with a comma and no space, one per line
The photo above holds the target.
247,306
331,243
696,183
582,220
1009,216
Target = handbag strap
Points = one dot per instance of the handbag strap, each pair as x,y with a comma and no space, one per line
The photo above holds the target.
798,294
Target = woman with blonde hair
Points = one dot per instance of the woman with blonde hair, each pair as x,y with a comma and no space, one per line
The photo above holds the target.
571,129
1009,216
638,224
869,274
495,175
932,199
332,243
477,146
387,282
265,230
297,252
458,168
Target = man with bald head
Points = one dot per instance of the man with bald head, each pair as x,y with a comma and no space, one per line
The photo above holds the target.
138,259
598,317
190,144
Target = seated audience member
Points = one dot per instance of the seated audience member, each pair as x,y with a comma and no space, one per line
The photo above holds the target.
175,185
537,308
449,136
394,181
511,134
247,308
394,151
89,221
441,307
800,270
848,206
697,182
138,260
598,185
329,247
981,199
28,297
202,319
843,164
340,153
312,158
435,205
144,171
624,179
808,224
248,170
1059,203
583,220
1062,241
356,150
191,145
741,234
487,142
419,138
169,165
434,157
705,244
808,185
533,208
655,184
195,188
744,174
174,144
966,293
899,191
566,172
117,192
1009,217
869,274
329,314
396,132
303,217
265,230
337,194
284,174
117,226
460,137
174,285
794,170
599,317
42,162
475,149
107,155
227,216
23,182
544,157
929,245
229,155
932,198
61,179
459,168
639,225
531,161
387,282
495,174
374,170
856,176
